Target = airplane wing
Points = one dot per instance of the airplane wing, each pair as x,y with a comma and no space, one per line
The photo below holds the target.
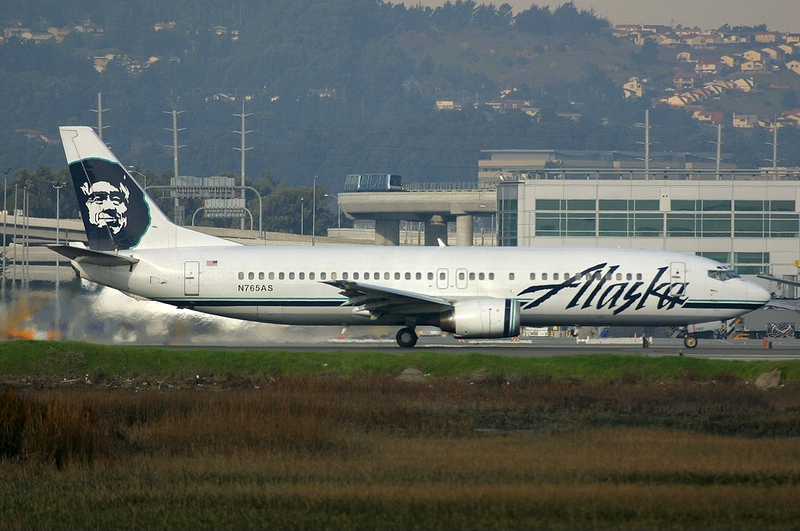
88,256
380,301
779,280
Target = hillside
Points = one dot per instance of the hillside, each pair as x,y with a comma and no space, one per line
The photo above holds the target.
336,88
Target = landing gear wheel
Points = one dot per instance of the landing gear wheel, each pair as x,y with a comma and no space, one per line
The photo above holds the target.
406,337
690,341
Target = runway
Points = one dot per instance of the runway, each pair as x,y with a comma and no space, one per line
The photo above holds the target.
744,350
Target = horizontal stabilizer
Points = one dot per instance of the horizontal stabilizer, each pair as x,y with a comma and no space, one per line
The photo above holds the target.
88,256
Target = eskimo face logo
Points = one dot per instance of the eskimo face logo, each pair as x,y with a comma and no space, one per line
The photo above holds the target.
115,213
595,288
107,205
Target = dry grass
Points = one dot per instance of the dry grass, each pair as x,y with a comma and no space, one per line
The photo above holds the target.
369,452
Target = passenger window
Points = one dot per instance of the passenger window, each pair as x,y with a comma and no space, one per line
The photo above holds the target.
481,276
291,275
301,276
544,276
511,276
461,275
408,275
333,276
555,276
628,277
261,276
619,276
397,276
472,276
419,276
355,276
323,276
442,275
638,276
281,276
533,276
344,276
386,276
311,276
491,276
251,275
376,276
430,276
241,275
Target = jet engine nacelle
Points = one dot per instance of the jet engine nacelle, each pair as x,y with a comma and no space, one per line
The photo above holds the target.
479,318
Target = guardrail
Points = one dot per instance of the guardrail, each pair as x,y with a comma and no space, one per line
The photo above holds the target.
760,174
448,186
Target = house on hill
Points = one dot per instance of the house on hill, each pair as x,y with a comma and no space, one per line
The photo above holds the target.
745,121
714,117
753,66
731,61
684,80
768,37
706,66
754,55
634,88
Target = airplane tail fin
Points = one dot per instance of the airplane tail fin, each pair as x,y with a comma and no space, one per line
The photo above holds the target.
117,213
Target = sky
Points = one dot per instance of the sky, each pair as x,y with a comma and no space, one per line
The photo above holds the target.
779,15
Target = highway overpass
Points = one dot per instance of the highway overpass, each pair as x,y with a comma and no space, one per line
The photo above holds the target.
434,207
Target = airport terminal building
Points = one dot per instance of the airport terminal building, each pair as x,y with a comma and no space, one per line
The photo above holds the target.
747,218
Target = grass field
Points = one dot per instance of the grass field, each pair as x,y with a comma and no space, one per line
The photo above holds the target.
175,439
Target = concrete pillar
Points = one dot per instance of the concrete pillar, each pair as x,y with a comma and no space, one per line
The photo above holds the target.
387,232
464,230
435,229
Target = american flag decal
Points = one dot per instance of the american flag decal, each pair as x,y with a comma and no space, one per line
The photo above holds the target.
211,263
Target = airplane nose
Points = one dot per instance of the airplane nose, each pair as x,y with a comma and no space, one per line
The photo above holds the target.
756,293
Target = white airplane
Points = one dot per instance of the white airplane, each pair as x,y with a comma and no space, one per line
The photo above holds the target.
472,292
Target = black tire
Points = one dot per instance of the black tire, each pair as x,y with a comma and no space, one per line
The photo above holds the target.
406,337
690,341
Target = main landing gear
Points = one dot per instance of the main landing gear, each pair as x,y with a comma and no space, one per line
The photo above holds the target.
689,341
406,337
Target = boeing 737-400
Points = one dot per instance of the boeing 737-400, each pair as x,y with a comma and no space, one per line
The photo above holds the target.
472,292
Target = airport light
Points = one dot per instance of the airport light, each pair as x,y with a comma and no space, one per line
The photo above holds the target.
339,209
140,174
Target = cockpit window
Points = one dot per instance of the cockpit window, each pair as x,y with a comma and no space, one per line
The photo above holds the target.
722,274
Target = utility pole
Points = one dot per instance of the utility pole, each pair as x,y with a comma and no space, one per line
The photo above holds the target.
646,142
719,148
58,185
243,149
5,229
314,214
774,145
177,215
99,112
775,150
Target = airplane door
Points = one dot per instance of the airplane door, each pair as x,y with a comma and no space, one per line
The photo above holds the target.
442,281
677,278
461,278
191,278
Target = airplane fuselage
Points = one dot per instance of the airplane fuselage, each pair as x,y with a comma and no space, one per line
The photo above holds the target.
553,286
